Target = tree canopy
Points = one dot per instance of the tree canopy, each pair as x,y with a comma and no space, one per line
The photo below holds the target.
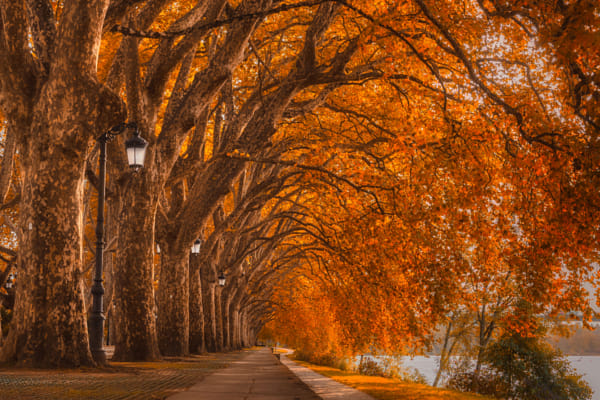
364,169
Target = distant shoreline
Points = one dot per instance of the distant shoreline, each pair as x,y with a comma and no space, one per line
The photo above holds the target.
582,342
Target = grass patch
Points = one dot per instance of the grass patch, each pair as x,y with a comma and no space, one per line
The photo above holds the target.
390,389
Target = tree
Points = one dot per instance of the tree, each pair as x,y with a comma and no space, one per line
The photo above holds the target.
41,84
532,369
246,130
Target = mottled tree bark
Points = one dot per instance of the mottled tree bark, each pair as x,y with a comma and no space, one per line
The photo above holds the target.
55,104
245,329
49,326
236,313
233,326
219,318
236,340
208,304
135,322
6,166
173,305
225,301
196,311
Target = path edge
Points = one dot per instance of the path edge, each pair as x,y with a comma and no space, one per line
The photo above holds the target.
330,391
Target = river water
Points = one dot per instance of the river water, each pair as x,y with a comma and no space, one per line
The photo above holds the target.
588,366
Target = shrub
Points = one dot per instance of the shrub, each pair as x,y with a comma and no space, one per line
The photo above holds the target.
389,367
531,369
370,367
328,360
486,382
412,375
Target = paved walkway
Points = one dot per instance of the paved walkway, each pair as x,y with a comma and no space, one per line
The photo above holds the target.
259,376
326,388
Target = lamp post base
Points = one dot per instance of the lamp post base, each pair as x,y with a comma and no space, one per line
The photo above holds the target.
95,332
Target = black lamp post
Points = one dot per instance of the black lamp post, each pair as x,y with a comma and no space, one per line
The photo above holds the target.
221,279
196,246
136,152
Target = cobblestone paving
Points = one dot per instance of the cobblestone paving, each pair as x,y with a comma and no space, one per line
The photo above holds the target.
143,381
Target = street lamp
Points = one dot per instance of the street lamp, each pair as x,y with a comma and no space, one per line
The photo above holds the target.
196,246
136,153
136,150
221,279
10,282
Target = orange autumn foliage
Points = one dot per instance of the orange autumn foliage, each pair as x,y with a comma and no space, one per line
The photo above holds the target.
454,186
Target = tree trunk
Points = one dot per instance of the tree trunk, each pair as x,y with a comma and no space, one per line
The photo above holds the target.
208,305
54,114
233,317
49,326
197,345
235,328
135,322
231,325
7,164
173,304
444,354
252,335
237,314
219,318
244,328
240,329
225,301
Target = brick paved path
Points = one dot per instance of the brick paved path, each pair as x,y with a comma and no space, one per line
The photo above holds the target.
121,381
259,375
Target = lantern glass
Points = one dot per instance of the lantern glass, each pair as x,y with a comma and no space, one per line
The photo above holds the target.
221,279
196,246
136,156
136,150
